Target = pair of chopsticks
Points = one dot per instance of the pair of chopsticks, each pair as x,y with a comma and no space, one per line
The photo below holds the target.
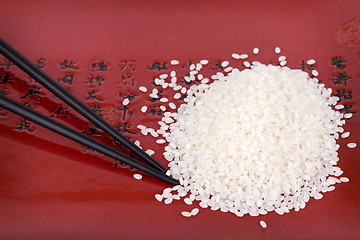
156,169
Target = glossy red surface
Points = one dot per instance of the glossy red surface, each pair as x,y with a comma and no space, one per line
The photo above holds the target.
51,189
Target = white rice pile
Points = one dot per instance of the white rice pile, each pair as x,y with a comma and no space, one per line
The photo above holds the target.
254,141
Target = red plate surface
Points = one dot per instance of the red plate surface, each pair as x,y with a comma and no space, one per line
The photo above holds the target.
53,188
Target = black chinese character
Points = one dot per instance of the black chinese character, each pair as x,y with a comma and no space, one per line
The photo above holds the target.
6,78
97,109
2,112
97,79
156,111
7,64
118,145
33,92
3,91
183,97
68,65
91,96
159,66
67,79
30,104
116,164
61,112
130,96
92,130
347,108
100,66
126,78
86,149
40,63
124,128
340,79
343,95
123,165
24,125
304,66
131,65
124,109
217,65
338,62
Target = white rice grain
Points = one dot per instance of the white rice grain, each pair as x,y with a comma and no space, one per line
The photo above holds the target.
150,152
194,212
244,56
188,201
283,63
144,109
225,64
141,126
345,134
160,141
351,145
228,69
168,200
348,115
137,176
235,56
126,101
186,214
177,95
310,62
203,205
143,89
154,134
344,179
159,197
282,58
263,224
172,105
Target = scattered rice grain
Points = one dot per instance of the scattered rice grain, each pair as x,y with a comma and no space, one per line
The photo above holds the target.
144,109
143,89
174,62
235,56
137,176
126,101
263,224
351,145
186,214
194,212
310,62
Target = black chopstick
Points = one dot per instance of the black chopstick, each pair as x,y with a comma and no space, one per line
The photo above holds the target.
76,136
54,87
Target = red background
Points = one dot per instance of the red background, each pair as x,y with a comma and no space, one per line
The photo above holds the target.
50,189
